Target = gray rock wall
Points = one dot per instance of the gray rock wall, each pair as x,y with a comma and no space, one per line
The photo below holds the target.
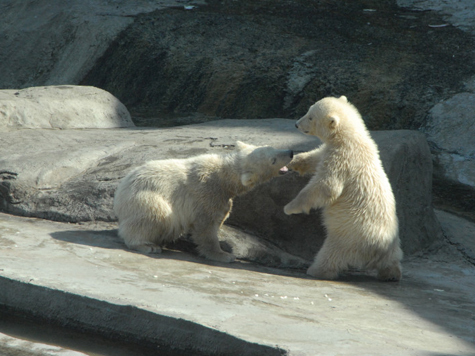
71,175
174,64
451,131
53,42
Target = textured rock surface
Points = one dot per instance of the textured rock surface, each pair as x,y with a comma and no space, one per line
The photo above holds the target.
238,59
459,13
71,175
51,42
274,58
450,123
451,131
460,232
62,107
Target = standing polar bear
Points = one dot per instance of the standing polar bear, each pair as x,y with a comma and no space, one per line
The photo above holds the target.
162,200
349,183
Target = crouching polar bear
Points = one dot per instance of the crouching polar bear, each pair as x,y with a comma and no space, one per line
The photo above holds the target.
349,183
162,200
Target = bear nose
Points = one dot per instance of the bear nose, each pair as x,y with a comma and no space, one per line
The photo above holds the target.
291,154
296,125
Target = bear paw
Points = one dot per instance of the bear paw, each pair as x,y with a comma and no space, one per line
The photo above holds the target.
296,168
146,248
300,165
291,209
390,274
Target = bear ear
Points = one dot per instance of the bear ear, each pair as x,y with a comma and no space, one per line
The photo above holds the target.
343,98
333,121
247,179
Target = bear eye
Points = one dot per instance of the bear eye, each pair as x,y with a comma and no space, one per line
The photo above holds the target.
310,118
274,160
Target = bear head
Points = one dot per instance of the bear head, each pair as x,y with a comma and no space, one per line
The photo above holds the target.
329,118
259,164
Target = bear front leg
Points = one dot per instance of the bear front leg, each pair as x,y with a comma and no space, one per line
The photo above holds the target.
318,193
328,263
208,246
306,162
302,203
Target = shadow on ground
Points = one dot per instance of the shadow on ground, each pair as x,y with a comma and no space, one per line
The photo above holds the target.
437,287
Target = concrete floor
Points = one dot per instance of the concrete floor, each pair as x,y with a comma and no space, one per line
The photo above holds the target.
83,276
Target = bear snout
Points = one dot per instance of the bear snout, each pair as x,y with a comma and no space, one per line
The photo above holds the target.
297,125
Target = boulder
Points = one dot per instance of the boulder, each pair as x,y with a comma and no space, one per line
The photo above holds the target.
62,107
450,131
171,61
71,175
274,58
460,233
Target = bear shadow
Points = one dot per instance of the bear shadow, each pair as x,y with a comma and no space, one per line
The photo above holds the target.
412,292
182,249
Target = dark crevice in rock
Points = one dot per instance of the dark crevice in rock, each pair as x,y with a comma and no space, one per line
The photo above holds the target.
454,197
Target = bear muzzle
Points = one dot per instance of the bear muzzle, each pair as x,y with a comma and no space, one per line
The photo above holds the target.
300,128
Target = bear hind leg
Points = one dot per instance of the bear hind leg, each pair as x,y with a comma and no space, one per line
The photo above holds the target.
208,243
139,236
327,264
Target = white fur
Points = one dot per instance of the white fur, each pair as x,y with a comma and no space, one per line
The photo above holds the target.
161,200
349,183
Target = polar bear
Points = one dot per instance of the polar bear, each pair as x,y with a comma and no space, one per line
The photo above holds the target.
349,183
164,199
